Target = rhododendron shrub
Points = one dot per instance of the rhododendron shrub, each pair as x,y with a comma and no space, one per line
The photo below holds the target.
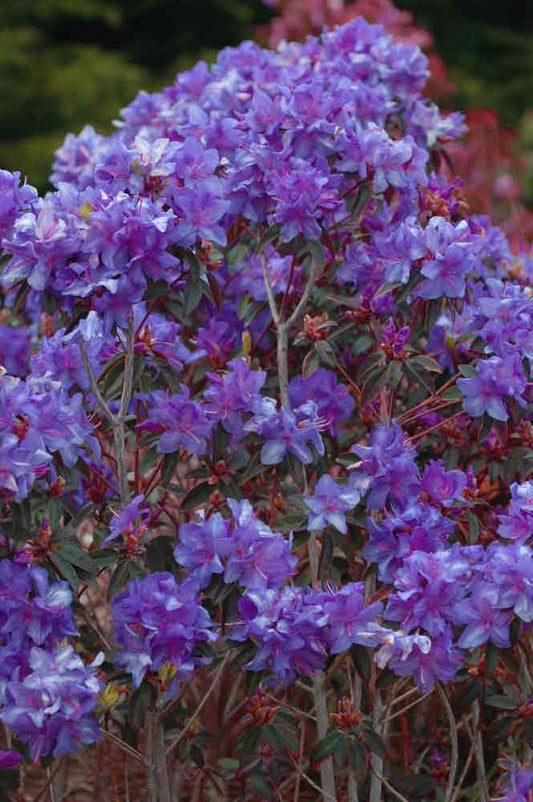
265,447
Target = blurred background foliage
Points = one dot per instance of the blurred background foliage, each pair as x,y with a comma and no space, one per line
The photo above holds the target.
65,63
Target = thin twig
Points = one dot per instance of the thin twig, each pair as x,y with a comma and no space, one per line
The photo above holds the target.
94,385
387,784
407,707
200,707
454,758
321,791
270,292
479,752
130,750
465,769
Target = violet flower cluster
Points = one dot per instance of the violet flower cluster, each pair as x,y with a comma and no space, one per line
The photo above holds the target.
47,694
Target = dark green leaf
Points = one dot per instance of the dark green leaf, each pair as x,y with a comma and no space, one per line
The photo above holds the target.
426,363
170,464
500,729
528,731
420,376
140,701
65,570
197,496
372,361
326,555
361,661
259,784
395,374
500,702
125,571
468,371
416,785
326,352
372,739
159,554
269,236
375,382
326,746
469,693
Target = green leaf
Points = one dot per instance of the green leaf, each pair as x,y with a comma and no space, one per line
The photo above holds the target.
272,736
197,496
326,352
416,785
361,661
125,571
420,376
316,252
375,382
170,464
65,570
156,289
372,739
103,558
259,784
500,729
427,363
369,363
468,371
74,554
140,701
326,747
228,763
326,555
500,702
271,234
159,554
395,374
473,526
310,363
469,693
528,731
452,394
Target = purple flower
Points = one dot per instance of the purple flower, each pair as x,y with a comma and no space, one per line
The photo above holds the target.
444,487
419,527
484,619
518,786
199,212
255,556
387,467
130,523
452,260
52,708
231,393
217,340
497,378
288,627
329,503
158,621
511,571
287,431
334,403
182,422
198,547
428,591
14,200
424,659
9,759
518,524
349,619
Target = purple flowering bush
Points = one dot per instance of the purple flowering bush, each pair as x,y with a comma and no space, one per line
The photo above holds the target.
266,447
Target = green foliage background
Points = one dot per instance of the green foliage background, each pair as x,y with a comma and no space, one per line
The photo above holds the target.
65,63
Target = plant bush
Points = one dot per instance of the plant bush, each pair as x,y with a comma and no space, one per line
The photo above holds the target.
265,446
